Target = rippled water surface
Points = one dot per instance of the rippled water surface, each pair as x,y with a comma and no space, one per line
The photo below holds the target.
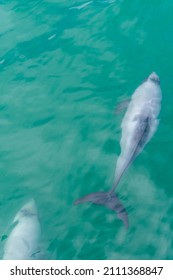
64,65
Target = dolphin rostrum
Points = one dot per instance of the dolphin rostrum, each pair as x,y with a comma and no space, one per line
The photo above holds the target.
138,126
22,242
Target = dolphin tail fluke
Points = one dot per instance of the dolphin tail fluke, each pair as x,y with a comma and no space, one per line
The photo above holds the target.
108,199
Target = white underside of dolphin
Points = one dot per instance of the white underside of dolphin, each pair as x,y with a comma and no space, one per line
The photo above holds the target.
22,243
138,126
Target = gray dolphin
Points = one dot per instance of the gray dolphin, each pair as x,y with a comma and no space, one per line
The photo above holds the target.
22,242
138,126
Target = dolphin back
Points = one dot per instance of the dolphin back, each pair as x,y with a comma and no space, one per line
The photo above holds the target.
139,123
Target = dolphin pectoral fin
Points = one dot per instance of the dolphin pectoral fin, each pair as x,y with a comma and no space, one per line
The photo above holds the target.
3,237
109,200
121,106
38,254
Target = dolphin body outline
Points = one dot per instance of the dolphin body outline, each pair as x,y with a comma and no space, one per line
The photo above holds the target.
22,242
138,126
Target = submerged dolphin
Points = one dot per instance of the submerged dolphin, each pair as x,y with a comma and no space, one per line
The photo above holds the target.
138,126
22,243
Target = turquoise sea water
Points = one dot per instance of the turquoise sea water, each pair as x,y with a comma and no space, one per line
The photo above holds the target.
64,65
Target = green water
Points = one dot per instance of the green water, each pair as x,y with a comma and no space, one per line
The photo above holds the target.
63,69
